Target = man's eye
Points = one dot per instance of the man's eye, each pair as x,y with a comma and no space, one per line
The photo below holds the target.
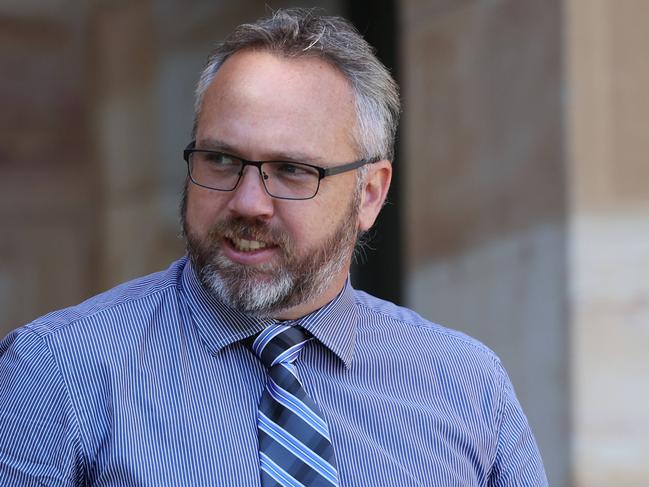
288,169
220,159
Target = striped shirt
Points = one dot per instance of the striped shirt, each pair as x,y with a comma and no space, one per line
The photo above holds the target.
149,384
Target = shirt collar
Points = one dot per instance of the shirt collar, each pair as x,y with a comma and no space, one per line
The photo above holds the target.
333,325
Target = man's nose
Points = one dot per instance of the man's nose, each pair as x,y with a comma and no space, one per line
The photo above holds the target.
250,197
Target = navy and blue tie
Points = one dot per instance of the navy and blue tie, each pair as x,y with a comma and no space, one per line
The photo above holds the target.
294,444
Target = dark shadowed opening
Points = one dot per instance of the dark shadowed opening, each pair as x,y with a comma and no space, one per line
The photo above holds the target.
378,270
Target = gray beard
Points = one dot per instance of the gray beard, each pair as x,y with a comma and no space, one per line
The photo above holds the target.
265,291
243,290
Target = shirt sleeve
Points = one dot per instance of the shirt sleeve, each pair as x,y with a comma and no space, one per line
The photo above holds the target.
39,441
518,460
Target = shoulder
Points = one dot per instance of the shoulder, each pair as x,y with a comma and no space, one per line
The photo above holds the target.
126,304
376,312
79,351
424,341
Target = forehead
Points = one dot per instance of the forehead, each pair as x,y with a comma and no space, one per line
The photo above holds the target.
267,100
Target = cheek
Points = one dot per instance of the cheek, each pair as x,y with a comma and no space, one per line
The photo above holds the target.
310,226
202,210
306,233
303,223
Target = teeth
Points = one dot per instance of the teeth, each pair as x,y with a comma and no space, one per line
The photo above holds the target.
247,245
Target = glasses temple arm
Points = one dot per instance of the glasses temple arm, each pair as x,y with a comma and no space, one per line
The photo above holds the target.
330,171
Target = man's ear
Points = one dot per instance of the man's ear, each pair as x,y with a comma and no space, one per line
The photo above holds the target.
374,192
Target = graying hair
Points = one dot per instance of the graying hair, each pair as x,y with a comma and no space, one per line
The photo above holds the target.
299,32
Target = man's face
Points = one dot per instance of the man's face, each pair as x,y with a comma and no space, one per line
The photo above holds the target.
262,255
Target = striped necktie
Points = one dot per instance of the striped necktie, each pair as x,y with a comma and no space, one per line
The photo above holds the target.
294,444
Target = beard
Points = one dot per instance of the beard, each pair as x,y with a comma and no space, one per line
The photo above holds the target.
268,289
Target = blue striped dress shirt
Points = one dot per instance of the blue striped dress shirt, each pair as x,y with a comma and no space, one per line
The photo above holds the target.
149,384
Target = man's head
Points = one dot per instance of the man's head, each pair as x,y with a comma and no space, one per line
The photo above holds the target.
298,33
295,88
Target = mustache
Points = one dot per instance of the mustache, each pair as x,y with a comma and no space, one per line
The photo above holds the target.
250,229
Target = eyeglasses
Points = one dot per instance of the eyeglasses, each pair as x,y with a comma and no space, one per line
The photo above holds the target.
285,180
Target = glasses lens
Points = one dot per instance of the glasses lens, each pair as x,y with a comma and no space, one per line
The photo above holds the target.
290,180
214,170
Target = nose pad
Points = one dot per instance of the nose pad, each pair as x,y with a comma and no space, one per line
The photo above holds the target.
258,175
263,177
250,197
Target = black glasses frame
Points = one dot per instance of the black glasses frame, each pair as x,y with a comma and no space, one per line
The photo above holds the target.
323,172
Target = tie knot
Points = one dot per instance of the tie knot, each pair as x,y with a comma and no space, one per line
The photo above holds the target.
279,344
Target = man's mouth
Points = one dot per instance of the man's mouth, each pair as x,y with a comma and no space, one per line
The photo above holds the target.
245,245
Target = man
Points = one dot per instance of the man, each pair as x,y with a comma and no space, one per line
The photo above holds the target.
253,360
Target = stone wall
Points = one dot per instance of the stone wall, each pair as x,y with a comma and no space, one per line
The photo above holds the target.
607,114
48,175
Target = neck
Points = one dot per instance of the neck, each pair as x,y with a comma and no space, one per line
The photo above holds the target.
299,311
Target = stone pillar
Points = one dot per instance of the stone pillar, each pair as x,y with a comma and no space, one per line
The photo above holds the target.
126,124
47,175
608,122
485,209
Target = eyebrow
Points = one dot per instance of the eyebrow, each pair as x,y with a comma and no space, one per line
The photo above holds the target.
210,143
